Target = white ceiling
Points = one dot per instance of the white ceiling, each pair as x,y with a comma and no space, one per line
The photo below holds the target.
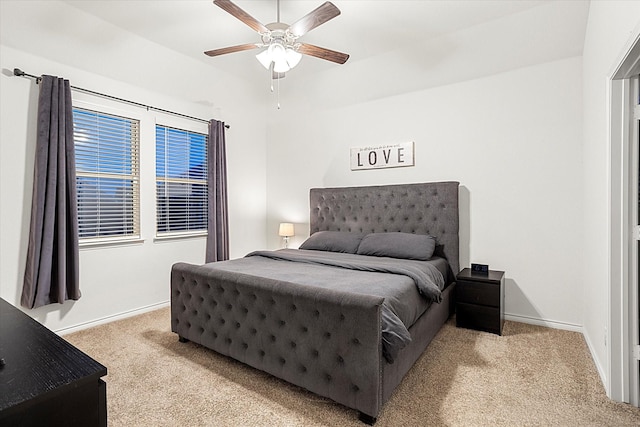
401,45
364,29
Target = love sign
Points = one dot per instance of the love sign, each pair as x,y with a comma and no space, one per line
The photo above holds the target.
382,156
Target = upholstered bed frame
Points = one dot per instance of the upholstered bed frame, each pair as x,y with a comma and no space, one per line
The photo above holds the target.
326,341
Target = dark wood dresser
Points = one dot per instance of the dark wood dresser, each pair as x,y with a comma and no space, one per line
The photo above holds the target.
44,380
480,300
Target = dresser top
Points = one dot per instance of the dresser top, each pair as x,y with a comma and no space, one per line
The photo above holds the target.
38,362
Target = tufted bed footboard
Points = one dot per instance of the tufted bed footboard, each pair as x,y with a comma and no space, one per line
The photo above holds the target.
325,341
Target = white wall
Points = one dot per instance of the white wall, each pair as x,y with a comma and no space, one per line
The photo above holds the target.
513,141
118,280
611,26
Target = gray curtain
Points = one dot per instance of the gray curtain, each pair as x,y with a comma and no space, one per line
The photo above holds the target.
218,225
51,273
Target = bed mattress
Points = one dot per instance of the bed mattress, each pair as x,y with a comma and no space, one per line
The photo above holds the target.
408,286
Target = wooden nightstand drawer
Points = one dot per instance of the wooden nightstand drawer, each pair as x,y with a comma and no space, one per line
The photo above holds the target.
479,317
478,293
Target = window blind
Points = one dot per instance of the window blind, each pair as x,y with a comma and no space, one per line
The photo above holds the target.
181,181
107,175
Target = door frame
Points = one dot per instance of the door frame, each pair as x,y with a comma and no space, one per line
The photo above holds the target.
633,326
622,380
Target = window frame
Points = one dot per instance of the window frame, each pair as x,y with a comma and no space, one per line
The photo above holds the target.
186,126
136,176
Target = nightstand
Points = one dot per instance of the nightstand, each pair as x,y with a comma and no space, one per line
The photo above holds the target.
480,300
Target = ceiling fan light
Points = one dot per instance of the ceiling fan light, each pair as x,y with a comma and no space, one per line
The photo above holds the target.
281,66
264,58
277,51
293,57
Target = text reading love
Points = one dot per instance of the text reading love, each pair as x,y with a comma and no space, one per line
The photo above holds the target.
382,156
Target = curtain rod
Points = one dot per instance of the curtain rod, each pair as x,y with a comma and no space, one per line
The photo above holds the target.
18,72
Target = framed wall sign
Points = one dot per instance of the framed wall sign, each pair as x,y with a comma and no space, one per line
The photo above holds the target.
382,156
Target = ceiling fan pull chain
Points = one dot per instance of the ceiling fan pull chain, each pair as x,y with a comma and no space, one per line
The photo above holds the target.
271,77
278,94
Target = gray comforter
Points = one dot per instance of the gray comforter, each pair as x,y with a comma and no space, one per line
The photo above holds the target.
408,286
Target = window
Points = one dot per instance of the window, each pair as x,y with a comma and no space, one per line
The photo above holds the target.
107,175
181,181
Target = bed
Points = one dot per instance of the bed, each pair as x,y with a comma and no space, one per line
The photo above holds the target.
328,340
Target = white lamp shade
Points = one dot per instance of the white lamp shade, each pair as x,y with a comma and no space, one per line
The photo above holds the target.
293,57
281,66
277,51
286,229
265,58
283,59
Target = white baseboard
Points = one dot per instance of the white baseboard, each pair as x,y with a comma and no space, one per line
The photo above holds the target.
599,368
112,318
554,324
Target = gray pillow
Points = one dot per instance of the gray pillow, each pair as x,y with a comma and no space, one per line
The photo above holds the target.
333,241
398,245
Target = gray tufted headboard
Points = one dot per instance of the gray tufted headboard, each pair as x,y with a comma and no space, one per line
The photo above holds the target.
426,208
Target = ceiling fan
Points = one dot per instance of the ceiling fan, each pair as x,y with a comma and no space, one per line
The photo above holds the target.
283,50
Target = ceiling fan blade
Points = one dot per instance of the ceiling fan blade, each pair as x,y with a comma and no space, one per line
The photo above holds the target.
234,10
320,15
231,49
323,53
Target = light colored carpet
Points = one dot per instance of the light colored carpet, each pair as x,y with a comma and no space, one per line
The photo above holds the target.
531,376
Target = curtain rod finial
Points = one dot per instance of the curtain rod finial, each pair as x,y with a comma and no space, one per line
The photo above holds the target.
18,72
